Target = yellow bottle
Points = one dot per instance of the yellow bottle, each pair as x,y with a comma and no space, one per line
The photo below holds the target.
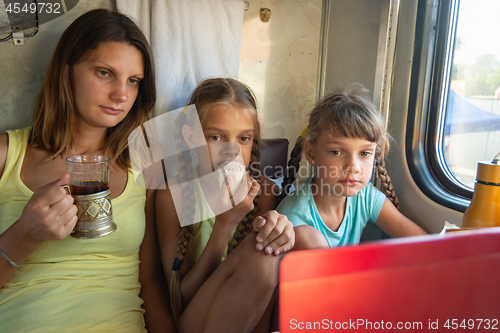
484,209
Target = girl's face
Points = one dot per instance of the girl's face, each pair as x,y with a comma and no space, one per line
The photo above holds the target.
105,84
229,132
343,165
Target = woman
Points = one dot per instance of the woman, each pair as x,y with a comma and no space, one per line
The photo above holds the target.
100,85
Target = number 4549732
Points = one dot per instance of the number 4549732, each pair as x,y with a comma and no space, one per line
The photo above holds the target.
40,7
471,324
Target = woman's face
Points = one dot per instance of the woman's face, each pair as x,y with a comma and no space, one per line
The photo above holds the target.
105,84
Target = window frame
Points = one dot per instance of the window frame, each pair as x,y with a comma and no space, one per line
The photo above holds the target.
431,69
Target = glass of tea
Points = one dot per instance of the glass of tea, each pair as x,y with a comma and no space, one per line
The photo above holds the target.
89,186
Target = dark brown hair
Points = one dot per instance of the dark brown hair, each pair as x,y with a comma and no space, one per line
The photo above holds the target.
53,128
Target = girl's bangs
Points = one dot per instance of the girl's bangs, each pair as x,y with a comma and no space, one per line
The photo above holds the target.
353,125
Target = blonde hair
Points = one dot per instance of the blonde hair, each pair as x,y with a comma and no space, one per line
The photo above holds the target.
54,126
208,94
346,113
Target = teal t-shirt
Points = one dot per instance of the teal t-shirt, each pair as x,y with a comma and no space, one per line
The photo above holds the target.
300,208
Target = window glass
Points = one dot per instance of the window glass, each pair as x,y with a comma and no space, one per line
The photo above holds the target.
472,121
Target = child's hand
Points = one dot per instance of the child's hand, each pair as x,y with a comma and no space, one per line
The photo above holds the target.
50,213
275,233
244,199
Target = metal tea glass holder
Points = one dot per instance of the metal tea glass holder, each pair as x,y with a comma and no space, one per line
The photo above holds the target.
95,213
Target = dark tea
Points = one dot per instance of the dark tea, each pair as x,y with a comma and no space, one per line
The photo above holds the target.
88,187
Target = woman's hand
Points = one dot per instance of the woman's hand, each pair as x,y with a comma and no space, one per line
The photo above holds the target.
50,213
275,233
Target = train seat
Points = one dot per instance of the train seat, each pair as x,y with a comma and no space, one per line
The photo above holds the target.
274,157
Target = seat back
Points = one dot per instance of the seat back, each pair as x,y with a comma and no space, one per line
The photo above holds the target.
274,157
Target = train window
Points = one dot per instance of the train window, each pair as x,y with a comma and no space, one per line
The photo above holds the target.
472,114
454,107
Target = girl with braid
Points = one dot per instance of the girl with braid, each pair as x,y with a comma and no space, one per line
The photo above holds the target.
345,137
222,271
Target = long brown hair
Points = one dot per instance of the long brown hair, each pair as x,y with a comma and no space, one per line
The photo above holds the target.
53,128
346,113
208,94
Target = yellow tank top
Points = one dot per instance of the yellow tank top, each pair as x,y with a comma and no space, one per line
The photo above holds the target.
73,285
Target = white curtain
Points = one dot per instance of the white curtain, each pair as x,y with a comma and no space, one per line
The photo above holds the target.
191,40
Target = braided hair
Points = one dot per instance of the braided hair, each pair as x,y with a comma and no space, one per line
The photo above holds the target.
346,113
209,93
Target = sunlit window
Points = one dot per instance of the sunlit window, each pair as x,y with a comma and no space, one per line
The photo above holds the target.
472,126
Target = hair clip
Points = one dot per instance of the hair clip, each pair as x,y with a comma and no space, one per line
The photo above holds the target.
304,132
177,264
